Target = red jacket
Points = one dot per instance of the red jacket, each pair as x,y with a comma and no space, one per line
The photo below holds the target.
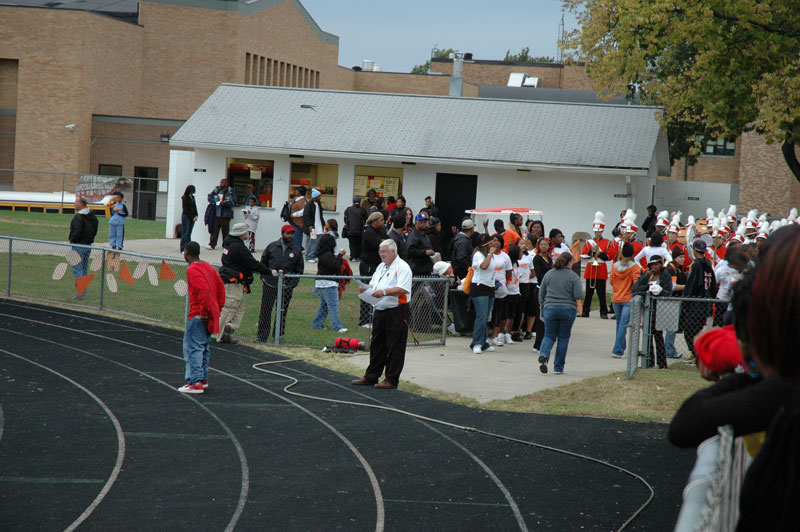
606,248
206,293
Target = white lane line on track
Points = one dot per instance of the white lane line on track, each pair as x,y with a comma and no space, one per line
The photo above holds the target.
380,511
117,427
245,471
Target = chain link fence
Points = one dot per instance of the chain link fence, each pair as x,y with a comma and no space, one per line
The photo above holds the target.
664,328
711,496
154,288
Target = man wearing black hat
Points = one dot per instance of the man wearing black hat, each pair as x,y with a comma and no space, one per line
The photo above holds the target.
354,218
658,282
280,255
419,247
701,284
237,270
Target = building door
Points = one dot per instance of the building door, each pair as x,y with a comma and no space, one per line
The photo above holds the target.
145,189
455,193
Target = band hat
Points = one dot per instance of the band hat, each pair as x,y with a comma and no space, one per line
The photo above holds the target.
630,228
762,235
599,221
374,216
287,229
673,229
662,219
238,229
467,224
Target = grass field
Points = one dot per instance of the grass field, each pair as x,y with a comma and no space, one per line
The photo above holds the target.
53,226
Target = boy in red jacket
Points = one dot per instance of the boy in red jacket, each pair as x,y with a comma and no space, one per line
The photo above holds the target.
206,298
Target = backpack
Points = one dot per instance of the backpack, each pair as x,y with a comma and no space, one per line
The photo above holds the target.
286,212
466,284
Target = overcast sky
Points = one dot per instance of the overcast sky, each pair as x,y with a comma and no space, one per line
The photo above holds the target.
400,34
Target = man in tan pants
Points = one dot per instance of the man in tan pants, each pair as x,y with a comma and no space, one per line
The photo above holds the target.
238,266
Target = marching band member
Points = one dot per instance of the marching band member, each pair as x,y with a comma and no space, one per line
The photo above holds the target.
731,218
751,225
662,223
629,233
597,250
718,246
672,233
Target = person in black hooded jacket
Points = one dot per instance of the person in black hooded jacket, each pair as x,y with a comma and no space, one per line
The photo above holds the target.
329,263
82,230
238,265
701,283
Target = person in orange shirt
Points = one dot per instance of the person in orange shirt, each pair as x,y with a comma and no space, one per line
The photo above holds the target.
513,231
624,273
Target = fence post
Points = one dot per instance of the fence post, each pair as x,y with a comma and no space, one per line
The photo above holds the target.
186,308
278,307
646,332
444,311
61,209
10,246
102,275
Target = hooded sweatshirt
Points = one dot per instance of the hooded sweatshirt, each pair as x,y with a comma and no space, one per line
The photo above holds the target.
622,278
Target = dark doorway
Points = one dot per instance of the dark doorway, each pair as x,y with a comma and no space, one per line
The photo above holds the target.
145,189
455,193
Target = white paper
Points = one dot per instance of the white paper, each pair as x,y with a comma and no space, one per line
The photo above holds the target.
367,297
362,284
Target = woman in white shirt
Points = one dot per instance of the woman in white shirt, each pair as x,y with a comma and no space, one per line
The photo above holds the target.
727,272
525,283
502,274
514,295
481,291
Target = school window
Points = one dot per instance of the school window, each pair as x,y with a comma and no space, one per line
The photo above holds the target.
110,169
721,146
386,182
245,173
323,177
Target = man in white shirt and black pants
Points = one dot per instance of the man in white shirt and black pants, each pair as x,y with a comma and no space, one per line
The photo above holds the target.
391,284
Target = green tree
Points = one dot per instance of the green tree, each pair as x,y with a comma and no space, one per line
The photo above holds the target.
719,68
525,56
437,54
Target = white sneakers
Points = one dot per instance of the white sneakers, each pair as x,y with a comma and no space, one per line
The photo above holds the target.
342,330
476,349
498,340
509,340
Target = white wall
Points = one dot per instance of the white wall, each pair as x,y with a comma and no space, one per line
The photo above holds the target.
569,200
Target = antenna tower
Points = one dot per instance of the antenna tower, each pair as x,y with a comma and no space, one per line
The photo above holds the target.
561,39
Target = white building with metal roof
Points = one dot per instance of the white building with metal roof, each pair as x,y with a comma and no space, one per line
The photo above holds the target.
566,159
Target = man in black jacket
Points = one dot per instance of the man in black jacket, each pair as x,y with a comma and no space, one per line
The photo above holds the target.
701,283
396,234
82,230
374,234
419,247
223,198
237,270
281,255
354,218
658,282
461,254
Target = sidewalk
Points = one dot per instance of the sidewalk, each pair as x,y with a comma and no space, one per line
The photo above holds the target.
509,371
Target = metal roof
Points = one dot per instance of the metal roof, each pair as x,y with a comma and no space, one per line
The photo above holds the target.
428,128
546,94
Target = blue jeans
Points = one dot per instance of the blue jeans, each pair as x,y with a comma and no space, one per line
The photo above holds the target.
622,312
483,307
311,247
116,235
298,235
669,343
558,322
328,303
186,234
196,340
82,268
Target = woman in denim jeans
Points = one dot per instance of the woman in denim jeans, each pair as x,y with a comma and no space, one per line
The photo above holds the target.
330,263
624,273
558,295
481,291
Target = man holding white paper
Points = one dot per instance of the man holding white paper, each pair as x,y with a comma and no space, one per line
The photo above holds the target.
388,292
